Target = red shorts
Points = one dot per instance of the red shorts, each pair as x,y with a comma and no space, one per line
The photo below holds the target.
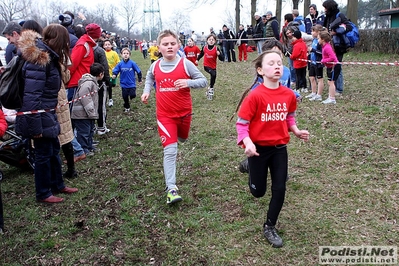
170,129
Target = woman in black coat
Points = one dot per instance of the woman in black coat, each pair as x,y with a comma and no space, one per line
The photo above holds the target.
331,22
42,75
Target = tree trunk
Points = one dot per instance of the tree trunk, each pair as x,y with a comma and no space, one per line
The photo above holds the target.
253,10
237,14
352,10
306,8
279,5
295,4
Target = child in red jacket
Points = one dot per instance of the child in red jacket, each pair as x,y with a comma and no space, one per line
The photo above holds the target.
3,124
299,56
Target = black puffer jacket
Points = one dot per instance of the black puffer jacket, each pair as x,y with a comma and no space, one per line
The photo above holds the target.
101,58
42,83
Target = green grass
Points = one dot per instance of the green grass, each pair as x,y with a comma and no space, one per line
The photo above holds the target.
343,187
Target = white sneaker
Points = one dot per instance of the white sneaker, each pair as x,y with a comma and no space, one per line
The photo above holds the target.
310,95
127,110
102,131
329,101
316,98
210,93
110,102
304,90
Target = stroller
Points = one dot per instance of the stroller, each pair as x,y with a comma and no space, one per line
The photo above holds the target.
17,152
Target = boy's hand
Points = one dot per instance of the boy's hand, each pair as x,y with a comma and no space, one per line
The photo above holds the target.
181,83
113,76
144,97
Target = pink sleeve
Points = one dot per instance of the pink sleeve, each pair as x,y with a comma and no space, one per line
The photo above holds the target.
242,132
290,120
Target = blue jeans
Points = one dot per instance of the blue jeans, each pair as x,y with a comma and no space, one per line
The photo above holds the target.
77,148
259,45
224,49
339,83
71,93
48,173
84,133
292,71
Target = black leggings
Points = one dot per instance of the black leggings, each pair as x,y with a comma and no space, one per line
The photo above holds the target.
212,72
300,78
275,159
102,111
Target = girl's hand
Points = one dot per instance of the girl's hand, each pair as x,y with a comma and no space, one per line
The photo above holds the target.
250,148
303,134
144,97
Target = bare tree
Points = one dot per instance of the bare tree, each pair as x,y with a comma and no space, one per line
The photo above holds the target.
306,5
179,21
352,10
104,15
14,9
295,4
279,7
238,14
129,11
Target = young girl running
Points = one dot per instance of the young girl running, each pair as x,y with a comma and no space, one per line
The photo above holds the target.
113,60
265,118
192,51
329,59
210,52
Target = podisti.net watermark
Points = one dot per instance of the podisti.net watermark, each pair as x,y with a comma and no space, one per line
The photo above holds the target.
358,255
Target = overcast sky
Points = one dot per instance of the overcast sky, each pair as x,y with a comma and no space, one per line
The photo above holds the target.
214,15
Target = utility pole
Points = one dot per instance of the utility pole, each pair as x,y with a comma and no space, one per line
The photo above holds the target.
152,19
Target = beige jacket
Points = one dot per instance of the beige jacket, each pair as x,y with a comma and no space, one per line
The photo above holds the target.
63,114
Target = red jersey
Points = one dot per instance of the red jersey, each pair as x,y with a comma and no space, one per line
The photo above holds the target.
210,56
171,101
192,53
266,110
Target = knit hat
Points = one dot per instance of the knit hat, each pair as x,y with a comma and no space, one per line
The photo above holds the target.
297,34
269,13
257,14
66,19
93,30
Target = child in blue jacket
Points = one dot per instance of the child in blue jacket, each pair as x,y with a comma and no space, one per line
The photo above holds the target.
127,69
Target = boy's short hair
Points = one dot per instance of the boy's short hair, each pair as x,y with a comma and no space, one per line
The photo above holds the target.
166,33
96,69
270,44
125,49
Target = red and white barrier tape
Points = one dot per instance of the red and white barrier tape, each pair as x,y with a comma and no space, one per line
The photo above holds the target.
52,109
354,63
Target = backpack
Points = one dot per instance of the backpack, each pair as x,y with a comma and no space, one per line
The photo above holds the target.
12,84
352,35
